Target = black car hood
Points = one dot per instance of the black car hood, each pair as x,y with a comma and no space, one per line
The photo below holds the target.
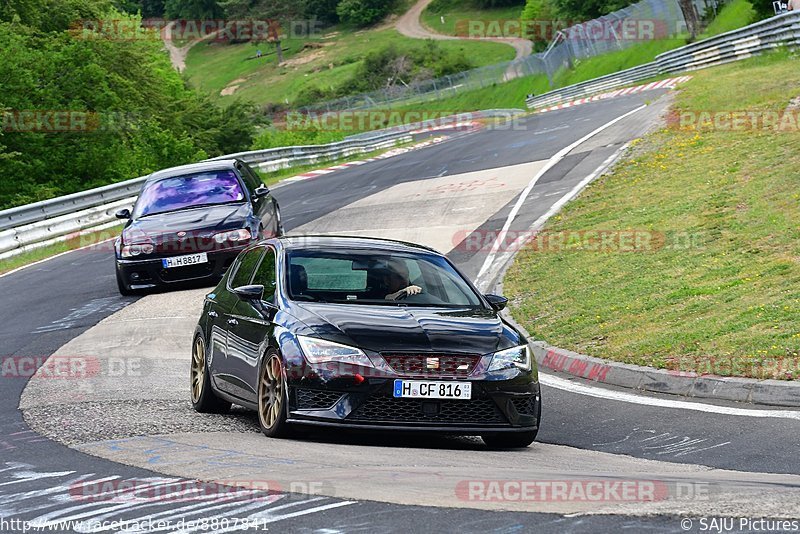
203,222
408,329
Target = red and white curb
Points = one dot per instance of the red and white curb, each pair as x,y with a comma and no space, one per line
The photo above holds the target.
669,83
388,154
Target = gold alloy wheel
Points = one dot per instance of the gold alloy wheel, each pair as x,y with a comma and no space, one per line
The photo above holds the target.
270,392
198,368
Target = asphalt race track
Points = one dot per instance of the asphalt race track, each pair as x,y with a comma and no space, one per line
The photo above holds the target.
129,419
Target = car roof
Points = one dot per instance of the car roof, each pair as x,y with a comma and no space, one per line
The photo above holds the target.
215,165
308,242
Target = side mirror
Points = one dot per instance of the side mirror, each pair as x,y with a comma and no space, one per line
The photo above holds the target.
254,292
261,191
496,302
123,214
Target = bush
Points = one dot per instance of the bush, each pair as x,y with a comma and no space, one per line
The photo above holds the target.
275,137
363,12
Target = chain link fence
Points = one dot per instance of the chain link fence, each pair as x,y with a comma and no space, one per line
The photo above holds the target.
645,20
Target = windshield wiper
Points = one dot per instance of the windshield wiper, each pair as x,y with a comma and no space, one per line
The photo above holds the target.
193,206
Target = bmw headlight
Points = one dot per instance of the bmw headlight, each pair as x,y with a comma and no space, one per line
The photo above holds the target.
322,351
519,357
235,236
136,249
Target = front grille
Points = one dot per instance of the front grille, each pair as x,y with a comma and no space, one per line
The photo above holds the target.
175,246
311,399
432,365
525,405
397,410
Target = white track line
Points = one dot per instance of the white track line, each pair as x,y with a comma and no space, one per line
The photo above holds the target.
549,165
608,394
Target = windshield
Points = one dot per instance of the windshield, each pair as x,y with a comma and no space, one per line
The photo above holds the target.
179,192
377,278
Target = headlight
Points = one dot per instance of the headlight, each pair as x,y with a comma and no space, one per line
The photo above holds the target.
234,236
322,351
519,357
136,249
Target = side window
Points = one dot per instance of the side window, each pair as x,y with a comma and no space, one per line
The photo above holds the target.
243,268
265,275
249,176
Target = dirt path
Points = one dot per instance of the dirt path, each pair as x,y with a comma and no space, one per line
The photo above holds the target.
177,55
410,25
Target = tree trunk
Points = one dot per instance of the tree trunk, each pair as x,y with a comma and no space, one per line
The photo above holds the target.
279,51
689,14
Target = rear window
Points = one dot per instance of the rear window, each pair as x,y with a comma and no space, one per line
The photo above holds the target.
190,190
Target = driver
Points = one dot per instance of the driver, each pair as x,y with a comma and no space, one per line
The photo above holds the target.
395,279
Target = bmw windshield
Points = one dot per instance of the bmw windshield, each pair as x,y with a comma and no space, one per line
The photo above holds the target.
191,190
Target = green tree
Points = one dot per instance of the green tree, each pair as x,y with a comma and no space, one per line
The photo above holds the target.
363,12
193,9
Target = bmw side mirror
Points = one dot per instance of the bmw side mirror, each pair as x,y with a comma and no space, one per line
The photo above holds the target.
496,302
123,214
253,292
261,191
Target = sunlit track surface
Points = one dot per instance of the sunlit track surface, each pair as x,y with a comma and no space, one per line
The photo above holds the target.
69,502
66,501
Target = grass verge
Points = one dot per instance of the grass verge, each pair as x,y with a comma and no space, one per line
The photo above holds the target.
74,242
457,18
715,285
326,61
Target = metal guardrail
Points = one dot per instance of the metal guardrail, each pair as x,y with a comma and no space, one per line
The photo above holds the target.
33,225
777,32
597,85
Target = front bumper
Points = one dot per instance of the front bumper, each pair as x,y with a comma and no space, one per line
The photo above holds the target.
149,273
505,406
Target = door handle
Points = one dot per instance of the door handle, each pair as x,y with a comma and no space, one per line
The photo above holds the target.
212,313
233,322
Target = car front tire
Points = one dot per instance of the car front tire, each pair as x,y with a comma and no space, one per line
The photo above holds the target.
272,397
204,400
123,288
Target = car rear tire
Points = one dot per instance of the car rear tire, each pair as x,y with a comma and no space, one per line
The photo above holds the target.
272,397
510,440
204,400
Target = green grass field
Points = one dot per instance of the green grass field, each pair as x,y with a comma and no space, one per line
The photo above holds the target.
326,61
732,16
458,18
718,288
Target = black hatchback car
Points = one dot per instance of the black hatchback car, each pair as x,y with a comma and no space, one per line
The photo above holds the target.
362,333
190,223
